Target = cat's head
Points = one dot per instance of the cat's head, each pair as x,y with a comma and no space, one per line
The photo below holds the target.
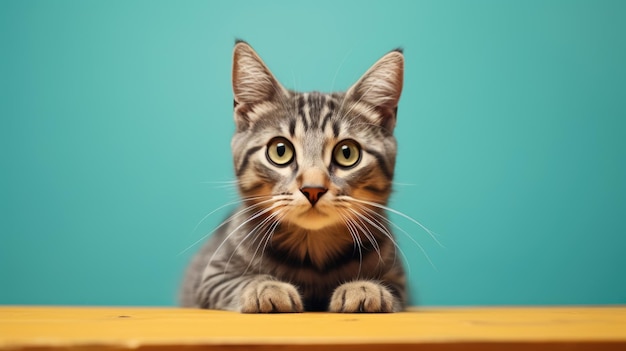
314,160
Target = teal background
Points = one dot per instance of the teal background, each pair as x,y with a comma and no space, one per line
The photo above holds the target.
116,119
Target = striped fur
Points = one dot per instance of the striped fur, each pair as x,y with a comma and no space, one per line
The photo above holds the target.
311,232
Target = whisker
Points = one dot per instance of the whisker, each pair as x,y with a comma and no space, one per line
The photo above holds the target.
354,104
421,248
251,233
253,217
236,181
280,209
266,237
368,234
383,229
238,201
229,219
226,184
355,238
386,208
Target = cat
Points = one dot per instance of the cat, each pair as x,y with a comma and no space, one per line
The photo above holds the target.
314,172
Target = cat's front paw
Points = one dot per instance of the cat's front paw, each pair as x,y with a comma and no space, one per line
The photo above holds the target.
362,296
271,297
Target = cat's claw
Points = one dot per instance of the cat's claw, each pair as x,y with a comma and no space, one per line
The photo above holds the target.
271,297
362,296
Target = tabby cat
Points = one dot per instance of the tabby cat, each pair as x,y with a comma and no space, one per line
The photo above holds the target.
314,172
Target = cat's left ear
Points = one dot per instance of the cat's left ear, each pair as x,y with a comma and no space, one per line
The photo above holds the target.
380,87
253,84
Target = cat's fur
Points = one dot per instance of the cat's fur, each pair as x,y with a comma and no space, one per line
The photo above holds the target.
312,233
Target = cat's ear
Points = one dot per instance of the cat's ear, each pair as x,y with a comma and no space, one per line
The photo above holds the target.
253,83
380,87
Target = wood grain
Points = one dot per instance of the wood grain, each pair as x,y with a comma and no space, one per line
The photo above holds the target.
164,329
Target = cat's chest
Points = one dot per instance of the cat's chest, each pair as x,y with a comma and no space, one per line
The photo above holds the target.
319,252
364,264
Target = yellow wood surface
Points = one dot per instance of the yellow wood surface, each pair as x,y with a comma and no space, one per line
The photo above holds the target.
111,328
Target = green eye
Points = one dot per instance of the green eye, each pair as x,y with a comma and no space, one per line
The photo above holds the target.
347,153
280,151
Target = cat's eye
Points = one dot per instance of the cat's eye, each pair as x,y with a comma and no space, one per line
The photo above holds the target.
280,151
347,153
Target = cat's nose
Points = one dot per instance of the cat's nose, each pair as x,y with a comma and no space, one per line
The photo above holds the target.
313,193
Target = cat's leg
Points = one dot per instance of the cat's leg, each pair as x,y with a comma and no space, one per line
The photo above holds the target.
267,295
364,296
247,293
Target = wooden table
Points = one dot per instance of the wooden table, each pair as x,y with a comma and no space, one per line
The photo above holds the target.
164,329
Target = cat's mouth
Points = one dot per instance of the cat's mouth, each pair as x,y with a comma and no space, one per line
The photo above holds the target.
313,212
313,218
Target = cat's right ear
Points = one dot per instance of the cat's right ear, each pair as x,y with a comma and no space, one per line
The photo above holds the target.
253,84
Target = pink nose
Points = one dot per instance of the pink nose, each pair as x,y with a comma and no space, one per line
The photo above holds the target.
313,193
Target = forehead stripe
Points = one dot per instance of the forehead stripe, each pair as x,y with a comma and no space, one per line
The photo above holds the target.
326,119
244,162
381,163
292,127
301,113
